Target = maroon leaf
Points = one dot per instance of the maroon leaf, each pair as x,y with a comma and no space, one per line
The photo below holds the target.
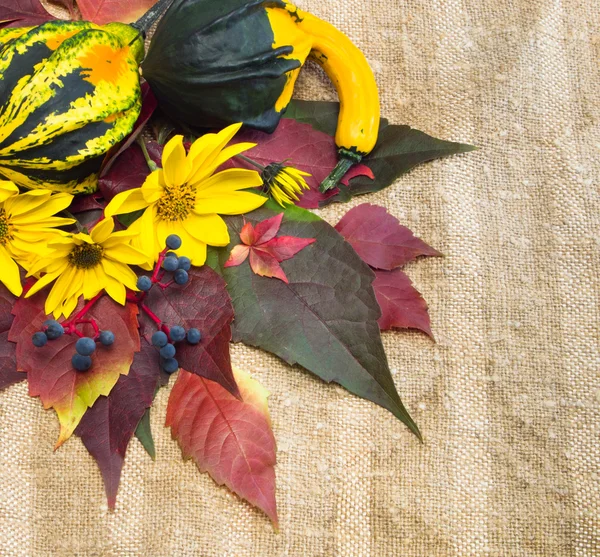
23,13
266,251
86,203
129,171
203,303
379,239
8,361
304,148
108,426
149,105
402,306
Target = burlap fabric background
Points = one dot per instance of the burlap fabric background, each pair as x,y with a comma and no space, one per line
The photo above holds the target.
509,397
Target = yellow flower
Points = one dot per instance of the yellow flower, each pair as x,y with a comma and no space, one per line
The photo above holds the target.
27,223
185,197
86,264
285,183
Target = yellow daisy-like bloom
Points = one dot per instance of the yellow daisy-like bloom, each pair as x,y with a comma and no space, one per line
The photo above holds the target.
186,197
27,223
285,183
86,264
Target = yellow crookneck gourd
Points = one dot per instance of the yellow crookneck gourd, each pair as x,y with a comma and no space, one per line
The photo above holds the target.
348,69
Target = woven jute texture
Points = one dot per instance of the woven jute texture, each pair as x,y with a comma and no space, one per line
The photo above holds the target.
508,398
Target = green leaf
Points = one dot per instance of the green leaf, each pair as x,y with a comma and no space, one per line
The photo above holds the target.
144,433
325,319
398,150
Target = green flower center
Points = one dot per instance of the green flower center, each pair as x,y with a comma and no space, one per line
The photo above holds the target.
176,203
85,256
4,228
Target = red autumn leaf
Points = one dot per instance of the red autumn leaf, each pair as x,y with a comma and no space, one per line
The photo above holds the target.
107,427
23,13
379,239
203,303
265,250
230,439
306,148
86,203
149,105
50,373
402,306
8,362
108,11
129,171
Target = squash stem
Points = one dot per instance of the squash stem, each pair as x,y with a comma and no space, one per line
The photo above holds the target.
152,16
347,159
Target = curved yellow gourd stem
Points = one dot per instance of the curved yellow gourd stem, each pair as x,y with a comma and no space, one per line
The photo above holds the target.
348,69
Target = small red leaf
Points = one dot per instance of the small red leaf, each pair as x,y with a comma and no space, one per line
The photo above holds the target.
203,303
23,13
230,439
266,230
379,239
248,235
149,105
238,255
109,11
284,247
402,306
355,171
50,373
266,265
108,426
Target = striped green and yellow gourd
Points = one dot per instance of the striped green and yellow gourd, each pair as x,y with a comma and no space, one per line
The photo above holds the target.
69,91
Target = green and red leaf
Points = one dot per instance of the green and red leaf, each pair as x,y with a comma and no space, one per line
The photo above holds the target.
231,439
23,13
402,306
380,240
203,303
49,371
324,319
107,427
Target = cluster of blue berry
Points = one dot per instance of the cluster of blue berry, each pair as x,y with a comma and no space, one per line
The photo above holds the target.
166,345
84,347
179,266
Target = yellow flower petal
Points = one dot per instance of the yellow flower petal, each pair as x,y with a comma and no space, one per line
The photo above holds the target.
210,229
229,204
126,202
176,165
205,150
230,180
207,169
154,186
7,190
102,231
61,290
125,253
10,273
115,290
120,272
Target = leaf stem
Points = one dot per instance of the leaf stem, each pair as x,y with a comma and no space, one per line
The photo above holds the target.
151,164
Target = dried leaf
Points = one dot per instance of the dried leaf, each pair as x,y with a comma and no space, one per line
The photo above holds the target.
380,240
49,371
108,11
107,427
230,439
203,302
402,306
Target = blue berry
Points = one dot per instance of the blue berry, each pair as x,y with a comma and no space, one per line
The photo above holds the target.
81,363
85,346
170,263
173,241
54,329
159,339
144,283
181,276
194,336
167,351
171,254
177,333
106,338
170,365
185,263
39,339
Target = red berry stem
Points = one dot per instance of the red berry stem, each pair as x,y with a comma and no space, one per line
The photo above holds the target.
70,326
151,314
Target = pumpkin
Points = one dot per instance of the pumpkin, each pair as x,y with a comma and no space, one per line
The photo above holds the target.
69,91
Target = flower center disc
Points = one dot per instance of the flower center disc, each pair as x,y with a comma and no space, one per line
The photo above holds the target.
176,203
4,227
85,256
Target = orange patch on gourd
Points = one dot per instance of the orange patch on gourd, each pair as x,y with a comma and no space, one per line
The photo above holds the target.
54,42
104,63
